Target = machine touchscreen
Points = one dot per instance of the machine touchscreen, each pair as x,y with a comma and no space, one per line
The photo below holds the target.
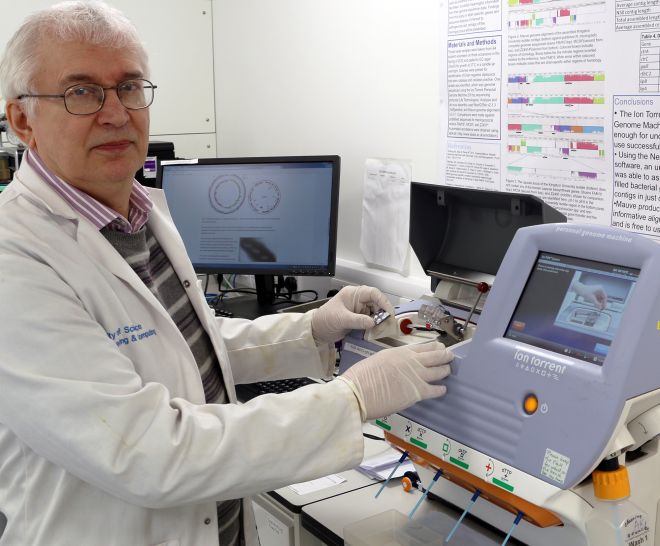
572,306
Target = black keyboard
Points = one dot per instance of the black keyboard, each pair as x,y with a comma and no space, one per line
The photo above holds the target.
250,390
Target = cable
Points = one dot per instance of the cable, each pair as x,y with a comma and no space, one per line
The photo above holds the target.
283,300
316,294
287,297
220,296
238,291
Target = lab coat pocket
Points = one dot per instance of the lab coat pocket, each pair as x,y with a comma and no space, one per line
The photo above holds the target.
169,543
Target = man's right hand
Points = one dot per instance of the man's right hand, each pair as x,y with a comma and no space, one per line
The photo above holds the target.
394,379
592,293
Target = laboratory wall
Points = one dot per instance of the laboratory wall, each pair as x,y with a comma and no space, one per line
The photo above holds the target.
355,78
244,78
560,102
178,37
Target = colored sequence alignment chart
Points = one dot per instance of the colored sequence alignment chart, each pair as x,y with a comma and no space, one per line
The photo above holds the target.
556,125
538,13
649,62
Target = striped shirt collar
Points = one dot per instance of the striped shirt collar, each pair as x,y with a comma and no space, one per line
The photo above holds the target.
100,215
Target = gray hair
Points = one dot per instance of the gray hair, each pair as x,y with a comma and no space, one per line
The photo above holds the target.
89,21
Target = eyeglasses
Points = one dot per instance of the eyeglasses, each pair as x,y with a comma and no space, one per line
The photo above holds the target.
88,98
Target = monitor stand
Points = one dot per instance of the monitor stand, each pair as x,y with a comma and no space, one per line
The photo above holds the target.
265,285
251,307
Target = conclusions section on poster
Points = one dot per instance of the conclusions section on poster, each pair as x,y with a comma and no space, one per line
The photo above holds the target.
636,139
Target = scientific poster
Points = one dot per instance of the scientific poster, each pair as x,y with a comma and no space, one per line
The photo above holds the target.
559,99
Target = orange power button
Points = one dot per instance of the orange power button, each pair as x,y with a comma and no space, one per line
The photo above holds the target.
530,404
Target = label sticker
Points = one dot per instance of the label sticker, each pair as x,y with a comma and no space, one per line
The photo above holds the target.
555,466
352,348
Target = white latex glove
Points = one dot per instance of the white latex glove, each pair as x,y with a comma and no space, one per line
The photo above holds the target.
348,310
394,379
594,294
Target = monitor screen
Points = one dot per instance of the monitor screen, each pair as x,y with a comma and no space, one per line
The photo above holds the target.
256,216
572,306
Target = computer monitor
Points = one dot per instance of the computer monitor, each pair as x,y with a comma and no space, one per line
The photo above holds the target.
260,216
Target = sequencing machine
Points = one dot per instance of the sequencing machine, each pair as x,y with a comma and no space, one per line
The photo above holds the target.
551,382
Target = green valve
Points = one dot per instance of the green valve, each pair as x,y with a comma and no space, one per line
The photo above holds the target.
503,485
418,443
462,464
381,424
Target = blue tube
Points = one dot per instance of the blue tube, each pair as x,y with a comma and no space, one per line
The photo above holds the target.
467,509
435,479
403,458
515,522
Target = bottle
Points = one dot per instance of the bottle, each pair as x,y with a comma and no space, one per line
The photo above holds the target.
615,520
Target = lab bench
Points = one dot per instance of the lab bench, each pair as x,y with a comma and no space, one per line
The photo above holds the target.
279,512
316,519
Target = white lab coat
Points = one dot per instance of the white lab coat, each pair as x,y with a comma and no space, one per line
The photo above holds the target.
104,435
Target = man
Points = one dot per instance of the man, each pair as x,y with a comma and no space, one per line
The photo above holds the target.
118,422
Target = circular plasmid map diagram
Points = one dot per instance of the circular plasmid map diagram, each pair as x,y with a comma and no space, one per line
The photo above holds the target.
227,193
264,196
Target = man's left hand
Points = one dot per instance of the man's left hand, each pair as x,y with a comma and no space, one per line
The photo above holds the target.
349,309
